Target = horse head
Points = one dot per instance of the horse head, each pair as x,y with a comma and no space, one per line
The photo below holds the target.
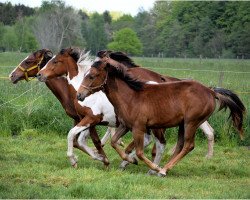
59,64
30,65
94,80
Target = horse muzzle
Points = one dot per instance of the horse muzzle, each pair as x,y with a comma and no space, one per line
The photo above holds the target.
41,77
14,78
81,96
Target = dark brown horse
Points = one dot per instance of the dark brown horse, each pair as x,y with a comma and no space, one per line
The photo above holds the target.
59,86
141,106
148,75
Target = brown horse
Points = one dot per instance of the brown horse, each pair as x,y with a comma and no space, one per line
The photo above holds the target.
140,106
59,86
148,75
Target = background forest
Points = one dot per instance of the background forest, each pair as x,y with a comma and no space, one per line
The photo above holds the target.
217,29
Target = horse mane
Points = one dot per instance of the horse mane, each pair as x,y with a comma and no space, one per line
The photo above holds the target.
84,60
120,71
119,57
74,53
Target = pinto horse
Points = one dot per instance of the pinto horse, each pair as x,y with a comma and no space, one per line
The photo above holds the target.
141,106
59,86
148,75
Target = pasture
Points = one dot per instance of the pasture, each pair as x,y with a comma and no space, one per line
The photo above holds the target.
33,145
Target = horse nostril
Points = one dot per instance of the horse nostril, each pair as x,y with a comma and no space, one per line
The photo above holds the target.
38,75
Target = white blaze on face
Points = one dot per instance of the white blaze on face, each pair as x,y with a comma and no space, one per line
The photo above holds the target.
17,66
152,83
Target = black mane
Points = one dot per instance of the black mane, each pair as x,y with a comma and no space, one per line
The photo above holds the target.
119,57
121,72
74,53
123,58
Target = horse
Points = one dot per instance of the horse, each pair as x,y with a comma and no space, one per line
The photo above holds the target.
27,70
141,105
148,75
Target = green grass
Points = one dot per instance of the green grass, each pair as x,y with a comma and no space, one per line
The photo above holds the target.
35,166
34,127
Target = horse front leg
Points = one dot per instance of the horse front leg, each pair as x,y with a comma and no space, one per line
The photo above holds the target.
138,136
120,131
71,137
131,150
96,140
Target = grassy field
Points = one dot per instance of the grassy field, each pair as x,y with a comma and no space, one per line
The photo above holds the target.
34,127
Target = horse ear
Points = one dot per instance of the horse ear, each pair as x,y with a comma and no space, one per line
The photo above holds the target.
48,53
103,53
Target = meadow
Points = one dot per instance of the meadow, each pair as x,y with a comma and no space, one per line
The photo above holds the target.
34,128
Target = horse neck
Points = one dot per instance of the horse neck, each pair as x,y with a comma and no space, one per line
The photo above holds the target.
118,92
60,88
76,73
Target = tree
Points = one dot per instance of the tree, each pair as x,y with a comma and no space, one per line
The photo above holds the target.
94,32
127,41
57,26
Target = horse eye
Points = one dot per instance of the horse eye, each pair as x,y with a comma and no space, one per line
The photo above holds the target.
27,62
91,77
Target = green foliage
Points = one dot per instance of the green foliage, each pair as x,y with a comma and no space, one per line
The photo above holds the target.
10,39
127,41
9,13
94,33
202,28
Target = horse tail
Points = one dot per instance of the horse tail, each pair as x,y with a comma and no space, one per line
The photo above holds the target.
228,99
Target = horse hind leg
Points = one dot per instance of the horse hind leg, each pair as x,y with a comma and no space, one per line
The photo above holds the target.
209,132
188,146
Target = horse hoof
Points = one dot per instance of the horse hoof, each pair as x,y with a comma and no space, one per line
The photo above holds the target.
74,165
135,161
121,168
151,172
208,156
161,175
122,144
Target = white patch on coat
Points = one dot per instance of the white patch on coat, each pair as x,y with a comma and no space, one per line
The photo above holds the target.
97,102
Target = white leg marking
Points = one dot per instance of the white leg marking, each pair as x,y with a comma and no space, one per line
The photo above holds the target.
71,135
159,153
106,136
209,132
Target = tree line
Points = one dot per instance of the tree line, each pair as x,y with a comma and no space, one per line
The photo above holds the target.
216,29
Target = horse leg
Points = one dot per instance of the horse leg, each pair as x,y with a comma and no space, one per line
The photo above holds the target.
209,132
188,146
130,148
138,136
96,140
106,136
120,131
120,142
160,144
71,137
